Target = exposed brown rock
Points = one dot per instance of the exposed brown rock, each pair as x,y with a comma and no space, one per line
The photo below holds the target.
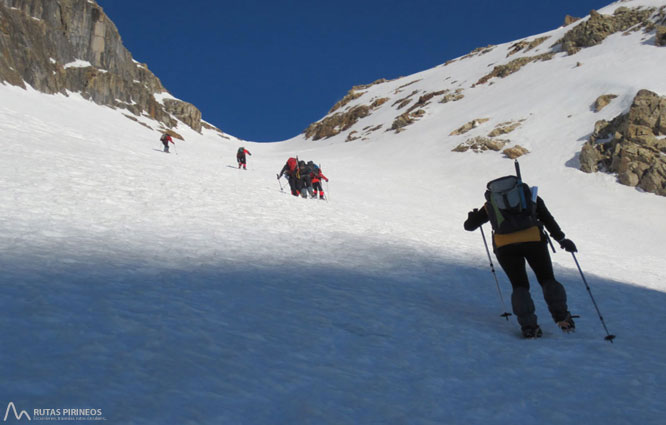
632,145
379,102
527,45
660,37
351,95
452,96
504,128
467,127
219,132
517,47
568,20
515,152
603,101
479,51
186,112
402,102
353,135
598,27
399,89
336,123
405,119
481,144
367,86
424,100
502,71
134,118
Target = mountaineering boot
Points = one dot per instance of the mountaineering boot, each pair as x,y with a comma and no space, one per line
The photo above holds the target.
532,332
567,325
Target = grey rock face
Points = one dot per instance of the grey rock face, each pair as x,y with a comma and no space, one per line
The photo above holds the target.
632,145
39,38
660,37
598,27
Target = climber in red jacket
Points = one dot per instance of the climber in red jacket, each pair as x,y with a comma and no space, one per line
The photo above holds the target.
240,157
317,176
165,139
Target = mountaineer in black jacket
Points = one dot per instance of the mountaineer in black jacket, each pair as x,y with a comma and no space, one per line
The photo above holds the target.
530,244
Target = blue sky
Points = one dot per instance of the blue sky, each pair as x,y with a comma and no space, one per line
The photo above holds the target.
264,70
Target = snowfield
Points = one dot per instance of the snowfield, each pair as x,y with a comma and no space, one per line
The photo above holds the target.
175,288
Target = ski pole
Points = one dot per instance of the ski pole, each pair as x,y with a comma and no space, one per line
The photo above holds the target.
279,182
550,242
328,191
608,336
492,269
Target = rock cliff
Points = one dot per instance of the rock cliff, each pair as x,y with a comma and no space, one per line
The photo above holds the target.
632,145
57,46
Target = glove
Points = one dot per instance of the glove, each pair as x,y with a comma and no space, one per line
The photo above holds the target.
326,180
568,245
471,222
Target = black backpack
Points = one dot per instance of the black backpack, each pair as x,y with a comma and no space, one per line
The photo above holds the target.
510,205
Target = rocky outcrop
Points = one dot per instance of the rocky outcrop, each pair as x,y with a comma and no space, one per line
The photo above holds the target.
568,20
402,102
354,94
504,128
660,37
351,95
481,144
405,119
505,70
186,112
526,46
71,45
598,27
603,101
468,126
450,96
632,145
515,152
424,100
336,123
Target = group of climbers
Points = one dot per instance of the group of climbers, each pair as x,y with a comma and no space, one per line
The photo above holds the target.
304,178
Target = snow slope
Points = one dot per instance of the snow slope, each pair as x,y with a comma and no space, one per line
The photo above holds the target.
178,289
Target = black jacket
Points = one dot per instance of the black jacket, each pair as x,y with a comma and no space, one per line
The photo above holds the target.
478,217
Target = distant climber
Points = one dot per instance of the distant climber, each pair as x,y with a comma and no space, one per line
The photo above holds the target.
305,179
240,157
317,177
165,139
291,170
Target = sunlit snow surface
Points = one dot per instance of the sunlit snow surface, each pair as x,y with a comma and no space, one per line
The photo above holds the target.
175,288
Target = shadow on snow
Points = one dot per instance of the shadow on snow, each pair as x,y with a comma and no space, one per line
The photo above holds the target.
257,343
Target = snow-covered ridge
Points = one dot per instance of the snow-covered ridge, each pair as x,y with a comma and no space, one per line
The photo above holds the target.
469,76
